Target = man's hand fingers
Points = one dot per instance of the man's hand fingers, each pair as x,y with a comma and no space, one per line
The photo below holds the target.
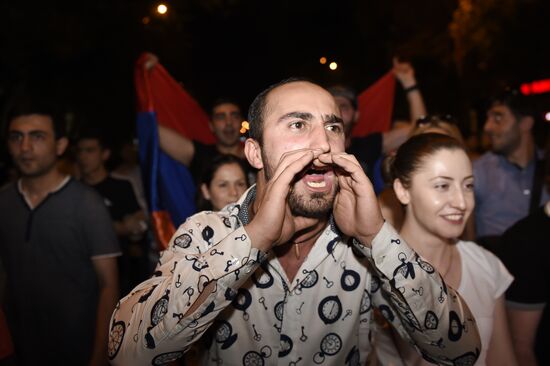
289,168
292,157
350,165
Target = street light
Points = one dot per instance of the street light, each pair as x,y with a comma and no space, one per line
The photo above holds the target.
162,9
323,60
333,66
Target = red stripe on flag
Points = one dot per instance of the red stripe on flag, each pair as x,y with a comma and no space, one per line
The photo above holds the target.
175,108
376,107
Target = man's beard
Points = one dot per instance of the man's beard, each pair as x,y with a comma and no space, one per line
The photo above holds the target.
315,206
509,146
227,138
41,168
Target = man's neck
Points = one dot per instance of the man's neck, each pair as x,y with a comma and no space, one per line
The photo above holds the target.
523,155
95,177
236,150
37,188
292,254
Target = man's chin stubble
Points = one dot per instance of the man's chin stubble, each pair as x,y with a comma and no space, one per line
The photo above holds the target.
317,206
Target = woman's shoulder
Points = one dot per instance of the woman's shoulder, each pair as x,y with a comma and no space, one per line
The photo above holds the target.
481,260
475,252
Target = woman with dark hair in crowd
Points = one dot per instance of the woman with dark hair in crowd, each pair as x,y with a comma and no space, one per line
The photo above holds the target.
222,183
432,178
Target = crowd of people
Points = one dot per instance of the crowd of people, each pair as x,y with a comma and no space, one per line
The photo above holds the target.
309,246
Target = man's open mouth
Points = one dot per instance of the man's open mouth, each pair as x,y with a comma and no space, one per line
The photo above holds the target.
318,178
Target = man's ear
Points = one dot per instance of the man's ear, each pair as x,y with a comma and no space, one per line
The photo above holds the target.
61,145
105,154
205,191
401,192
526,123
356,115
253,153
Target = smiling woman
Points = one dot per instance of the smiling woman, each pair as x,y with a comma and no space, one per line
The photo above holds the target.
433,180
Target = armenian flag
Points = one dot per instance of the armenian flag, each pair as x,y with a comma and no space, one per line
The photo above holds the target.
168,184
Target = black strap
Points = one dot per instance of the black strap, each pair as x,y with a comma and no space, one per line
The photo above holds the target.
538,179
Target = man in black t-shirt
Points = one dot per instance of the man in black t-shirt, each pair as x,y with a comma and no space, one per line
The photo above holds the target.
225,120
368,149
225,123
118,195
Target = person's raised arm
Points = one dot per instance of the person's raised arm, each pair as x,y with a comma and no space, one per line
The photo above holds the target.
404,72
178,147
436,318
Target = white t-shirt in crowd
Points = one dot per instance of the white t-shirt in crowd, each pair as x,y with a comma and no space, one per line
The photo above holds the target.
484,279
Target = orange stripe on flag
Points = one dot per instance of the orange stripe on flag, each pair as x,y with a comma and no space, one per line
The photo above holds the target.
163,228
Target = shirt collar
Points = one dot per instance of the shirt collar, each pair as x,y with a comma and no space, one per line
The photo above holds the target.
56,189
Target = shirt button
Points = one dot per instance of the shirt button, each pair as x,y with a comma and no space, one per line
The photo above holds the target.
179,328
526,192
197,316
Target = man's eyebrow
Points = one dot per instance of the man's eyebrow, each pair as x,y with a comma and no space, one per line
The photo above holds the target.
26,132
300,115
332,119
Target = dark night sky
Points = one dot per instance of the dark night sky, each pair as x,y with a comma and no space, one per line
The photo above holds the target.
84,52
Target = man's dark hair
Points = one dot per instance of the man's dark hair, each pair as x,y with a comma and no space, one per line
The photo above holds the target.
221,101
520,105
345,92
94,133
256,112
28,105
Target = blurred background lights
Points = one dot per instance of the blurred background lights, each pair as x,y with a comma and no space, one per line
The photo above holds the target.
333,66
244,127
547,116
162,9
323,60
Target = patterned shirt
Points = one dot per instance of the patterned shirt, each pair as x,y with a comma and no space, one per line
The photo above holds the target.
256,316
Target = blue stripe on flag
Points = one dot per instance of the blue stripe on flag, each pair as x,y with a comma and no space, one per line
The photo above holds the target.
168,184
